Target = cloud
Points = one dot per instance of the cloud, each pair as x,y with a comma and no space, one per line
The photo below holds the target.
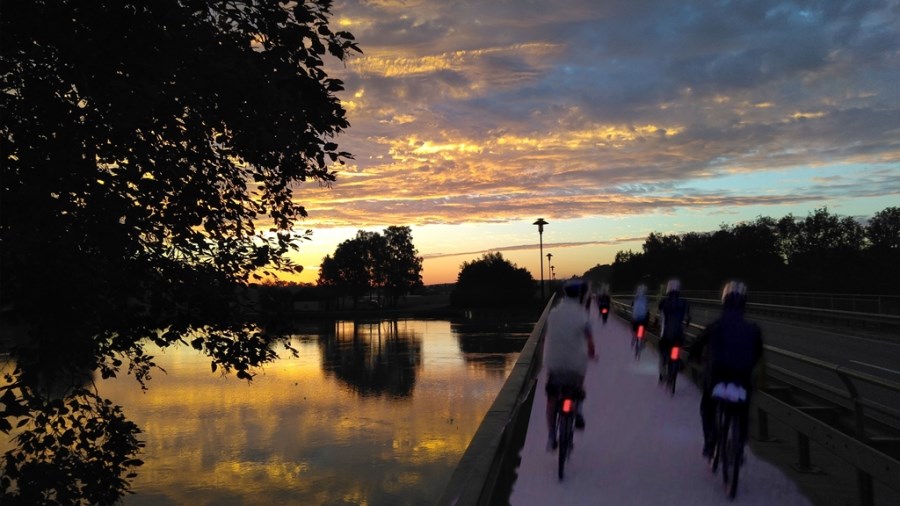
528,247
470,111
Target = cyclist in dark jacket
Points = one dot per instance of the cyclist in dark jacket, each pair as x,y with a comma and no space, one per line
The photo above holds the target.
604,302
675,313
730,348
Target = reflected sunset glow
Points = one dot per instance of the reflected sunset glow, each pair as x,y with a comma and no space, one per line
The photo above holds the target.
303,424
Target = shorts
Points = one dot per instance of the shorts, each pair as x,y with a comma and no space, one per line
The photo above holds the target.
559,381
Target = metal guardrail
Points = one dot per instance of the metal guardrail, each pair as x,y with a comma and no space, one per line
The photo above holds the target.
846,302
856,448
878,311
485,471
877,320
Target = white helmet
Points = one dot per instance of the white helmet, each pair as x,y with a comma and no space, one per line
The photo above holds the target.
673,286
734,294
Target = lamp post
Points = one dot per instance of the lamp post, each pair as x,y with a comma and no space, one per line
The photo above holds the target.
550,270
540,223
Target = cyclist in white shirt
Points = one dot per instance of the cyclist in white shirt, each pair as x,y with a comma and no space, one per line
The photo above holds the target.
568,344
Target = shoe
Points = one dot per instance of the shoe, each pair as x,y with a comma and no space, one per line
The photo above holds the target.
579,422
552,444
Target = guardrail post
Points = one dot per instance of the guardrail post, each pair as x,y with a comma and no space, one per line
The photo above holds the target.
858,415
804,466
864,481
763,425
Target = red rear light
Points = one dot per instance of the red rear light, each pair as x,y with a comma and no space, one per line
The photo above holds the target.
567,405
605,310
675,351
640,333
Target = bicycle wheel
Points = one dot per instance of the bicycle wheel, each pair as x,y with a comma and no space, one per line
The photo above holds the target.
727,447
737,450
719,445
565,441
673,375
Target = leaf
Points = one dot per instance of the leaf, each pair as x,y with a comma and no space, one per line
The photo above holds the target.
197,344
213,366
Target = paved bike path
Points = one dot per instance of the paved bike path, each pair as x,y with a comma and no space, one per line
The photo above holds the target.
640,446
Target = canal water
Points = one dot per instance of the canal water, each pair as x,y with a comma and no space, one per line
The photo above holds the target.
370,413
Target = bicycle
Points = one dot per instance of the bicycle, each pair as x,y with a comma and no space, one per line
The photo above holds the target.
672,368
729,446
637,341
569,396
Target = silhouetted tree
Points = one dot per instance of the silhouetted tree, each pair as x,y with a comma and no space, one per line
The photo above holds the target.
374,261
600,274
403,266
492,281
141,143
822,252
883,254
827,252
883,230
356,265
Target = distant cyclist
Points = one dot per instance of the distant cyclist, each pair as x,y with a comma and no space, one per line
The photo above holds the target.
730,348
568,344
675,313
603,302
639,308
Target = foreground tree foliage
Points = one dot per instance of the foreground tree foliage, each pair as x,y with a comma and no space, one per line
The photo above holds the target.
492,281
141,143
822,252
372,261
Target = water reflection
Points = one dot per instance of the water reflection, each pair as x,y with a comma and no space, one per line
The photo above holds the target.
368,413
491,345
374,358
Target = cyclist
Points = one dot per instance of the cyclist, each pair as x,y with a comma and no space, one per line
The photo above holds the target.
603,302
639,310
676,315
567,346
730,348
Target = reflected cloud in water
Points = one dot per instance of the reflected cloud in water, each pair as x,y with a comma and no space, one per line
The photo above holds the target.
377,412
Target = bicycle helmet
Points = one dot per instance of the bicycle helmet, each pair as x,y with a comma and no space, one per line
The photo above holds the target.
673,286
734,294
575,288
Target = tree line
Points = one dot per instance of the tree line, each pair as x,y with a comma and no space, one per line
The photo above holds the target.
822,252
386,265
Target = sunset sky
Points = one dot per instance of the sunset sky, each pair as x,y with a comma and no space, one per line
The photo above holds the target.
609,119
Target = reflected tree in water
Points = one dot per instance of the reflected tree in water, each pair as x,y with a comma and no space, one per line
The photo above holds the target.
141,143
491,344
373,358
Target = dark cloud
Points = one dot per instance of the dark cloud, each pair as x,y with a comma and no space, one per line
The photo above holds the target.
482,111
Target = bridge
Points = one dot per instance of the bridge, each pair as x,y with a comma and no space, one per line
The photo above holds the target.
821,432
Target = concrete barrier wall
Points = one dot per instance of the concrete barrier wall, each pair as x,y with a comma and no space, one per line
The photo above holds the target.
486,471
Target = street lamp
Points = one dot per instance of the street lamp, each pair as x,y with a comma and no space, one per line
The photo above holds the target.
550,269
552,272
540,223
